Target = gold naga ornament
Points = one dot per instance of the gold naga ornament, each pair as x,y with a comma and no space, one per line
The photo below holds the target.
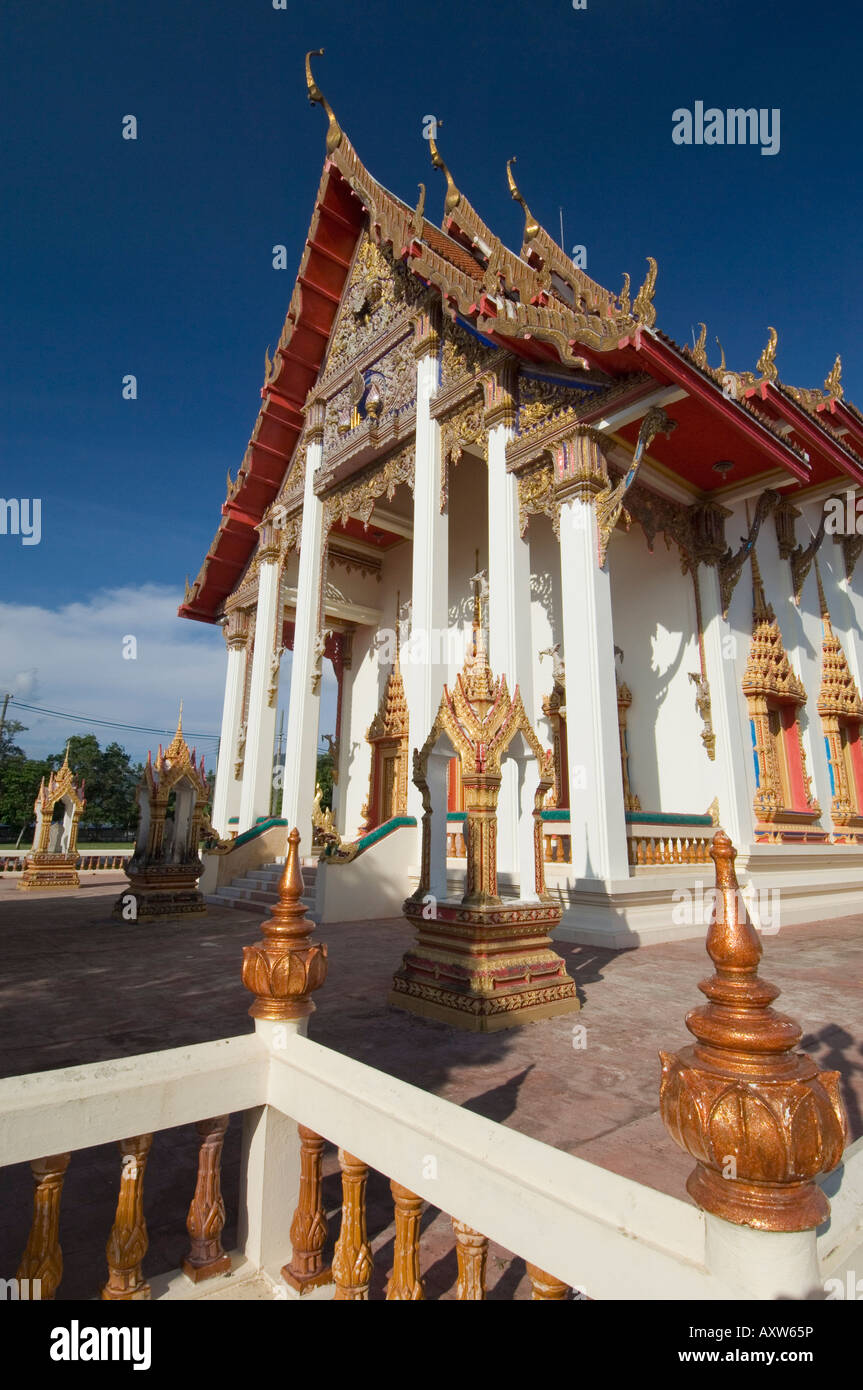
483,962
53,861
164,870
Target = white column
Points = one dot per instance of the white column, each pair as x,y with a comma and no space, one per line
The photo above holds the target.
424,679
226,797
301,741
597,822
261,722
509,633
728,711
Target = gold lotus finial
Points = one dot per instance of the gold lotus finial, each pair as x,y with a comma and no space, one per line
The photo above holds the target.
833,384
66,755
643,307
334,130
531,226
766,363
179,733
453,197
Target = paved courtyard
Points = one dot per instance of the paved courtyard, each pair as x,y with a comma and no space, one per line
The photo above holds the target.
79,987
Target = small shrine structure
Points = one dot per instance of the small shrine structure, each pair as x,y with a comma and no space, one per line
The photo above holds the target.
164,870
482,962
53,860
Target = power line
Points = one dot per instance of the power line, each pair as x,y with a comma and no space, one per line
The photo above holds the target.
107,723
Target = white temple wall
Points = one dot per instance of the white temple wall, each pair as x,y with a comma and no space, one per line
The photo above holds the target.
370,669
468,532
655,626
545,620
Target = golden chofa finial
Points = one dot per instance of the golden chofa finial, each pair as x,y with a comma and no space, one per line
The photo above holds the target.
643,307
699,350
721,367
833,384
766,363
531,226
334,131
453,197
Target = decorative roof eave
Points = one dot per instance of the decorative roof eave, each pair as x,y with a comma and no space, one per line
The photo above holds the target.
663,355
809,428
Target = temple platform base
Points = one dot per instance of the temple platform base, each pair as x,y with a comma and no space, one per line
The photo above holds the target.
45,869
486,967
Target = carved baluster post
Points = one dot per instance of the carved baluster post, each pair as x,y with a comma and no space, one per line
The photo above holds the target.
42,1260
127,1243
284,967
471,1252
760,1120
545,1286
352,1258
406,1283
309,1227
206,1218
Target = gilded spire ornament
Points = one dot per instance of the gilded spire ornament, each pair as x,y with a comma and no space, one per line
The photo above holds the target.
453,197
334,130
531,226
768,670
833,383
838,695
285,967
766,364
759,1118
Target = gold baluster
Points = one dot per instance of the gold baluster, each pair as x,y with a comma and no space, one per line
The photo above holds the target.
545,1286
406,1283
352,1258
42,1261
127,1243
471,1252
547,849
309,1226
206,1219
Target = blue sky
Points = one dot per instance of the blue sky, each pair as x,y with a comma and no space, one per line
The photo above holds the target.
154,256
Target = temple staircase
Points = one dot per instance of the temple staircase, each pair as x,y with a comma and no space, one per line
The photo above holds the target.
259,888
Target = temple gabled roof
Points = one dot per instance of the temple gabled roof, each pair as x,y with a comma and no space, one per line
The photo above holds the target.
541,308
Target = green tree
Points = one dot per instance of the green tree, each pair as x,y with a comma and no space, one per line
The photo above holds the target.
19,784
9,751
110,780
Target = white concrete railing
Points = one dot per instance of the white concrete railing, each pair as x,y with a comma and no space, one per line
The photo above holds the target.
603,1234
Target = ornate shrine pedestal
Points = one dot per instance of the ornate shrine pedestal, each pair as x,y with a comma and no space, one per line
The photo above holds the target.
482,963
163,872
484,968
51,865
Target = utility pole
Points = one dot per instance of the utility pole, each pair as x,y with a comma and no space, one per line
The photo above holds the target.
6,699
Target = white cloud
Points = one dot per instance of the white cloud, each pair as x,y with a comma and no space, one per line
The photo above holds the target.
71,659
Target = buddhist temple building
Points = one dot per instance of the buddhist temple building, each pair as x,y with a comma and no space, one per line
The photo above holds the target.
440,407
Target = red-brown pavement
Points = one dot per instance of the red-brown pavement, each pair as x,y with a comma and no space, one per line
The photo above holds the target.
81,987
